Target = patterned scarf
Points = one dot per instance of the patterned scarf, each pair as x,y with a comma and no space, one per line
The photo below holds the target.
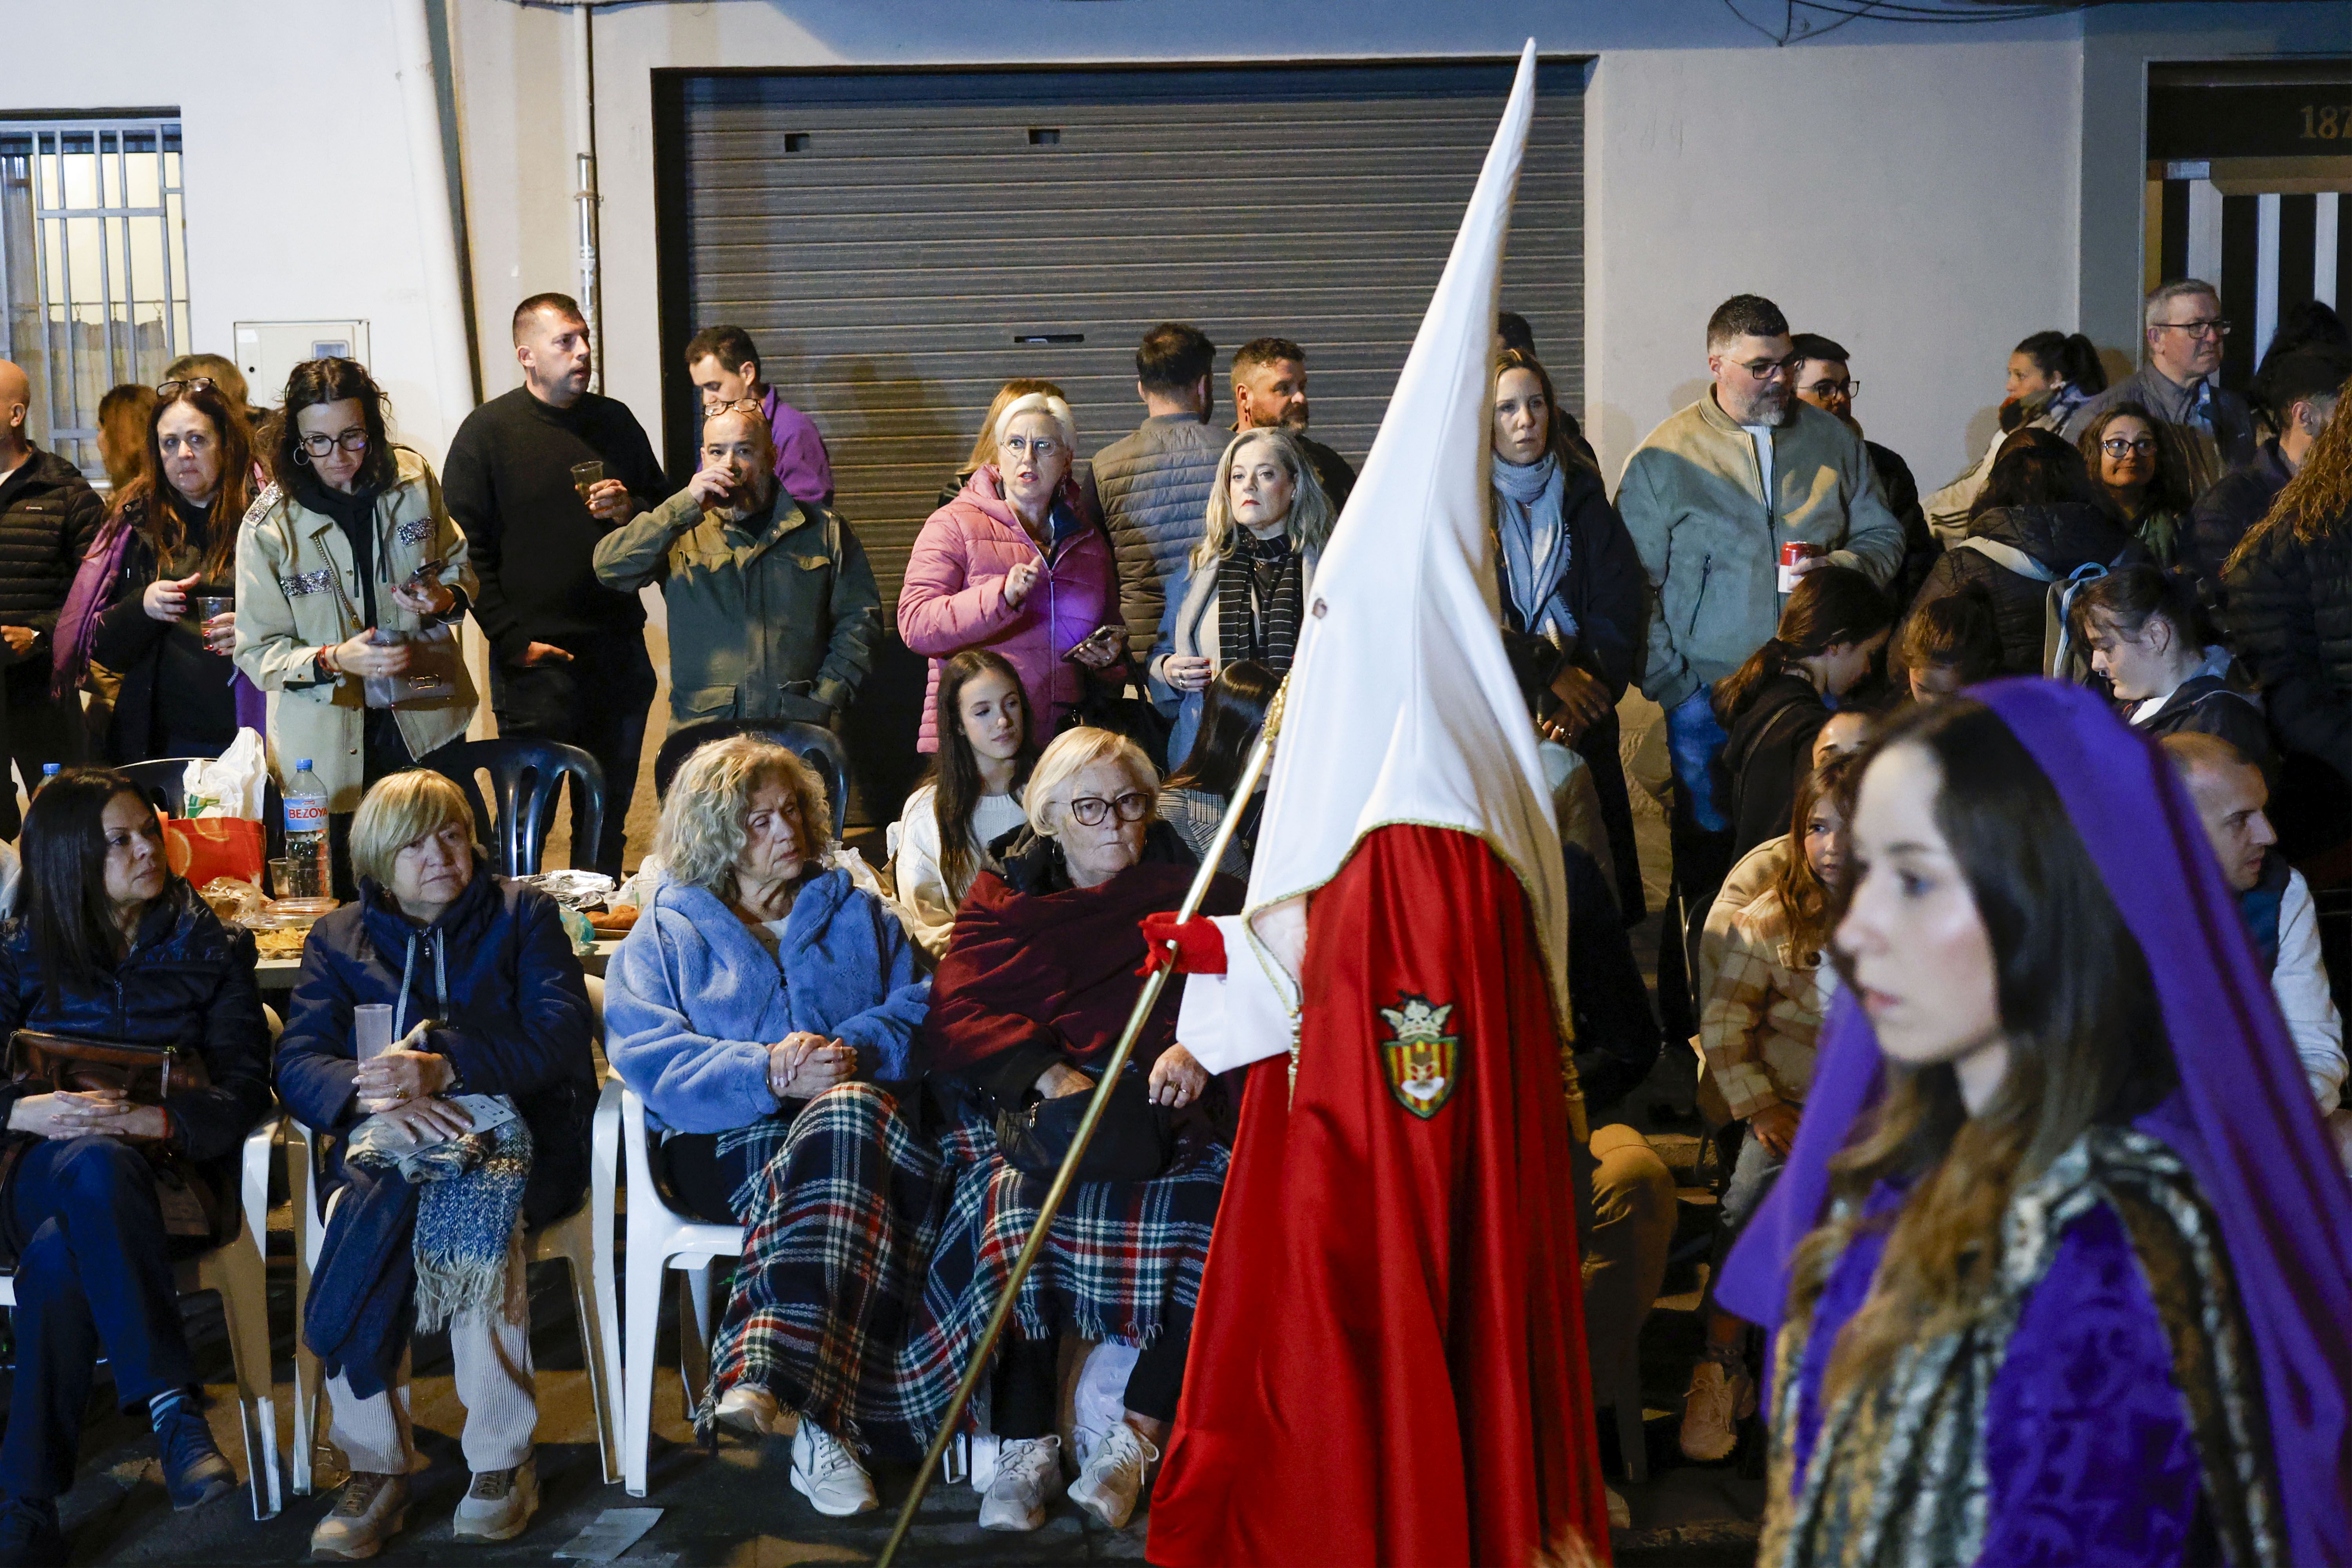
469,1190
1258,593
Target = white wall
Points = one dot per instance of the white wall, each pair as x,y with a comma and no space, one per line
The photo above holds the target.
298,186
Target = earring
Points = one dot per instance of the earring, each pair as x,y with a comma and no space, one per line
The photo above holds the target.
301,458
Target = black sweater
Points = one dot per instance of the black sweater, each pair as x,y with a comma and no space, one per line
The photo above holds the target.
174,691
508,483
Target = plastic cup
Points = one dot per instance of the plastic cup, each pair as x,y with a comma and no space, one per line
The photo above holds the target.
584,474
371,1030
210,607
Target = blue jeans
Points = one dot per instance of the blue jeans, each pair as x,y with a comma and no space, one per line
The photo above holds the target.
95,1275
1695,740
1752,1176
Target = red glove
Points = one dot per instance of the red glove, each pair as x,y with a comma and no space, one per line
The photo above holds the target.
1199,945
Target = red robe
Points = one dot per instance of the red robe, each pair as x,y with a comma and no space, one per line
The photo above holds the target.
1388,1364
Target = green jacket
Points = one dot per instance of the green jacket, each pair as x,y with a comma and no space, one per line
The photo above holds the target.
1693,497
769,617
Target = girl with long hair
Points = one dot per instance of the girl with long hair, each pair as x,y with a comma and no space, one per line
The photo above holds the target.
1832,627
1573,595
1950,643
988,743
2149,641
2140,465
1245,588
2051,374
159,670
2057,1262
1757,1032
1195,798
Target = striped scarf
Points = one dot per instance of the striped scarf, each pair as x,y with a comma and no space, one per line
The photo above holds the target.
1258,593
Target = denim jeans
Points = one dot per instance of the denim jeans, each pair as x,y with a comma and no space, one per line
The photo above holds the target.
1752,1176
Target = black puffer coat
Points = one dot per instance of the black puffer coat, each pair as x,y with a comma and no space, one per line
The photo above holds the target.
2062,536
48,515
2290,611
187,981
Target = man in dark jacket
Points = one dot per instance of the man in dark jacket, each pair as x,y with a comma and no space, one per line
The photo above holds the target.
1825,378
567,654
48,514
1269,389
2306,385
1154,481
2180,383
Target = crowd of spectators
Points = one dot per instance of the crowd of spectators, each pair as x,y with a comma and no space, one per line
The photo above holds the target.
867,1073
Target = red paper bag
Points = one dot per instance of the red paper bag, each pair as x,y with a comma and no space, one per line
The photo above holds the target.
203,847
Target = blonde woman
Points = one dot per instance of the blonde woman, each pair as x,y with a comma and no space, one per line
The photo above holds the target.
488,1003
1245,587
759,979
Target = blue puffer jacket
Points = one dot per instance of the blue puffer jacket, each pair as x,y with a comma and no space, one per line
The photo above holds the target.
499,972
694,1001
187,981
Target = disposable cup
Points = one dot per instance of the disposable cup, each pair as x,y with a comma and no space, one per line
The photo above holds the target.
371,1030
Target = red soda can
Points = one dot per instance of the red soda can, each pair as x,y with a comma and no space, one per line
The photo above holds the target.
1793,552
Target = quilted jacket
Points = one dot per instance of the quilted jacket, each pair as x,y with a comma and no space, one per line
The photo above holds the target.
1154,483
952,597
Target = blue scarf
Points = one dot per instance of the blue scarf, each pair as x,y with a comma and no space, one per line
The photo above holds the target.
1534,537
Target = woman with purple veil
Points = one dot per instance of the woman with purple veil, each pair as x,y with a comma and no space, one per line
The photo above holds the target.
2060,1266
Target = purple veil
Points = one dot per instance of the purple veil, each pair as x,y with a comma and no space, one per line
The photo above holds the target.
2243,1120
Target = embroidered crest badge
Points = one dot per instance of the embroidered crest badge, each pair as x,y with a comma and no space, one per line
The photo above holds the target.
1422,1059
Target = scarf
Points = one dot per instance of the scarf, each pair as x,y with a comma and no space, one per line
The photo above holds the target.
1533,532
1261,577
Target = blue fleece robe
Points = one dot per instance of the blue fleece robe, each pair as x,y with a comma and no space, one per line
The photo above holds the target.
693,1001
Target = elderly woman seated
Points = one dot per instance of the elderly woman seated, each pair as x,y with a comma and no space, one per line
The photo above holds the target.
472,1125
1032,997
759,978
97,1190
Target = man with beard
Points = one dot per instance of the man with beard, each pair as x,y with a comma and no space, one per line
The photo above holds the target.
1270,389
1824,378
773,608
1711,497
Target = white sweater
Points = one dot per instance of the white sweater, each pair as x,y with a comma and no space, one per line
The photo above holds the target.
2300,982
926,905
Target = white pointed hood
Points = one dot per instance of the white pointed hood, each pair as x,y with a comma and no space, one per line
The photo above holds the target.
1401,707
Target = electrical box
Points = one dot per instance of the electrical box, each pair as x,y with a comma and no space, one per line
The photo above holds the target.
268,351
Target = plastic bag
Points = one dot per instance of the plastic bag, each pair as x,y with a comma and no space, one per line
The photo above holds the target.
230,784
573,890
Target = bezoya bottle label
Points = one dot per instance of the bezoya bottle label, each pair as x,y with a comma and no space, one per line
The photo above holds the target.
306,814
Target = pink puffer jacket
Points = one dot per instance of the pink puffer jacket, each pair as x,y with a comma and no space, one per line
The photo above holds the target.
954,596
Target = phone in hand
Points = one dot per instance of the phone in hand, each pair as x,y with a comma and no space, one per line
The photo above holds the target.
1099,641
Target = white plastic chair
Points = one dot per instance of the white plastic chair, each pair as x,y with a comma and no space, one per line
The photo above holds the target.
573,1240
660,1240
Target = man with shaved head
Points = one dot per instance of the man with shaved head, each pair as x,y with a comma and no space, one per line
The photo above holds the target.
773,608
567,654
48,514
2229,795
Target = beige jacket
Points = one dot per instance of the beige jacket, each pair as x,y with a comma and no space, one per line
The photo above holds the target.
295,594
1763,1013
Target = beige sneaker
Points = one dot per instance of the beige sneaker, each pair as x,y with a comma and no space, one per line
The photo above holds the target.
498,1505
1719,1399
368,1511
752,1411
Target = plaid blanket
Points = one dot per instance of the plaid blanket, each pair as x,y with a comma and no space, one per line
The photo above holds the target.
873,1259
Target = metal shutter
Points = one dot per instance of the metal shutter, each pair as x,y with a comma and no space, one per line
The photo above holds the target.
893,240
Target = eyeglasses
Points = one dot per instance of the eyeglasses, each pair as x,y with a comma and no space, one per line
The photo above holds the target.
713,407
350,441
1090,809
1849,390
1766,369
173,388
2206,327
2119,447
1043,448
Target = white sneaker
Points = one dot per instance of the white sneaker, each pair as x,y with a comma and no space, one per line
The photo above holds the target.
1114,1475
828,1474
1718,1401
751,1410
1028,1473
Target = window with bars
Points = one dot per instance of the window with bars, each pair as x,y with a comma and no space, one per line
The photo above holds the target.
93,267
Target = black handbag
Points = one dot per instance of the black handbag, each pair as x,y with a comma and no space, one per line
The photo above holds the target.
1133,1142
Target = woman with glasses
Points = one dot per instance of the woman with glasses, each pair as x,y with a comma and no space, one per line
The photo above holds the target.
2139,464
1018,562
160,676
350,570
1030,1000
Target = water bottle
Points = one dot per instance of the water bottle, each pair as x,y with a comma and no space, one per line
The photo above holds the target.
306,834
50,771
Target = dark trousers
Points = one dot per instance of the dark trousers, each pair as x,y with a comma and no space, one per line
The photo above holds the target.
1025,1398
94,1277
38,729
597,702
